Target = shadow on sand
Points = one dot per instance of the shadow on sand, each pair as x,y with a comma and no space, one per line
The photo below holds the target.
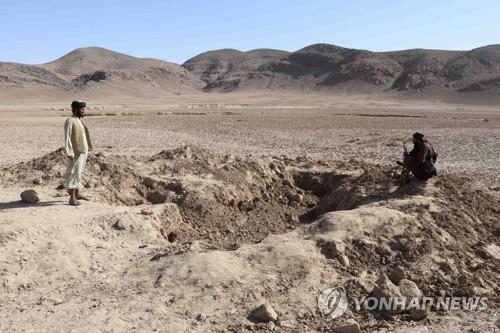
21,204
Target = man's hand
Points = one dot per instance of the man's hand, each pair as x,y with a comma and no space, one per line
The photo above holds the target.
72,157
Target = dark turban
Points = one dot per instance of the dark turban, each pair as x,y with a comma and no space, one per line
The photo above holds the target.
418,136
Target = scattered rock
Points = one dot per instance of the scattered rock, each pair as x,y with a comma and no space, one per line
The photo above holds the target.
264,313
298,198
344,260
292,218
365,284
492,251
349,328
386,289
409,289
201,317
149,182
332,249
147,211
30,196
118,224
57,301
397,274
91,184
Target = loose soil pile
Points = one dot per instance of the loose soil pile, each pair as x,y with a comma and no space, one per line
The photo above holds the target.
350,218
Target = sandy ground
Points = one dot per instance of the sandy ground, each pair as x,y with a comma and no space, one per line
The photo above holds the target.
244,234
466,137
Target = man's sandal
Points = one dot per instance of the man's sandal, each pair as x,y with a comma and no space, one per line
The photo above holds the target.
74,202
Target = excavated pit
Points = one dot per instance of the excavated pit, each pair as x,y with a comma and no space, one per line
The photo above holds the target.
352,217
223,199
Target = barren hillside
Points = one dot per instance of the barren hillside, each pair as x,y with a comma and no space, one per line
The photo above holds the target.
223,68
326,67
97,73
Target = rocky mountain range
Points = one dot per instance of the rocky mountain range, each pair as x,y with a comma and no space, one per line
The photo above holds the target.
320,67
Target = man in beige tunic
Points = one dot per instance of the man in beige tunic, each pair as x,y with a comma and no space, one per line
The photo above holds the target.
77,145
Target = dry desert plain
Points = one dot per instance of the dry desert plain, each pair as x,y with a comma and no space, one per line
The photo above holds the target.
205,206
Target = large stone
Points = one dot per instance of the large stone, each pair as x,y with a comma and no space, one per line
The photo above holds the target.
264,313
409,289
344,260
492,251
410,292
30,196
349,328
387,290
366,285
331,249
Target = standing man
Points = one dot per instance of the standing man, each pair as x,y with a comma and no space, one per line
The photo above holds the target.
77,145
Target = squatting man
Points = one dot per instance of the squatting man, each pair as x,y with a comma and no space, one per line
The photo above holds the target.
78,146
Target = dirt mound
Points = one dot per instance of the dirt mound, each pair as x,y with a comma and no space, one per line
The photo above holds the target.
199,226
227,199
110,179
223,199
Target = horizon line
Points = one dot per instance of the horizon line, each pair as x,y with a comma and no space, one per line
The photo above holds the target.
243,51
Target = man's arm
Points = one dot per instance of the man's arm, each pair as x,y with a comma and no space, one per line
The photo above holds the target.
68,127
434,155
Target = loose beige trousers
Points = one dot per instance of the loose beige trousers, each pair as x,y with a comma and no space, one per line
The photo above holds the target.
74,171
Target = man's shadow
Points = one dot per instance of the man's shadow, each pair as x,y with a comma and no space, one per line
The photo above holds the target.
21,204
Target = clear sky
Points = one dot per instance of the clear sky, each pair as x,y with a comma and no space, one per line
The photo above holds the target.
40,31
